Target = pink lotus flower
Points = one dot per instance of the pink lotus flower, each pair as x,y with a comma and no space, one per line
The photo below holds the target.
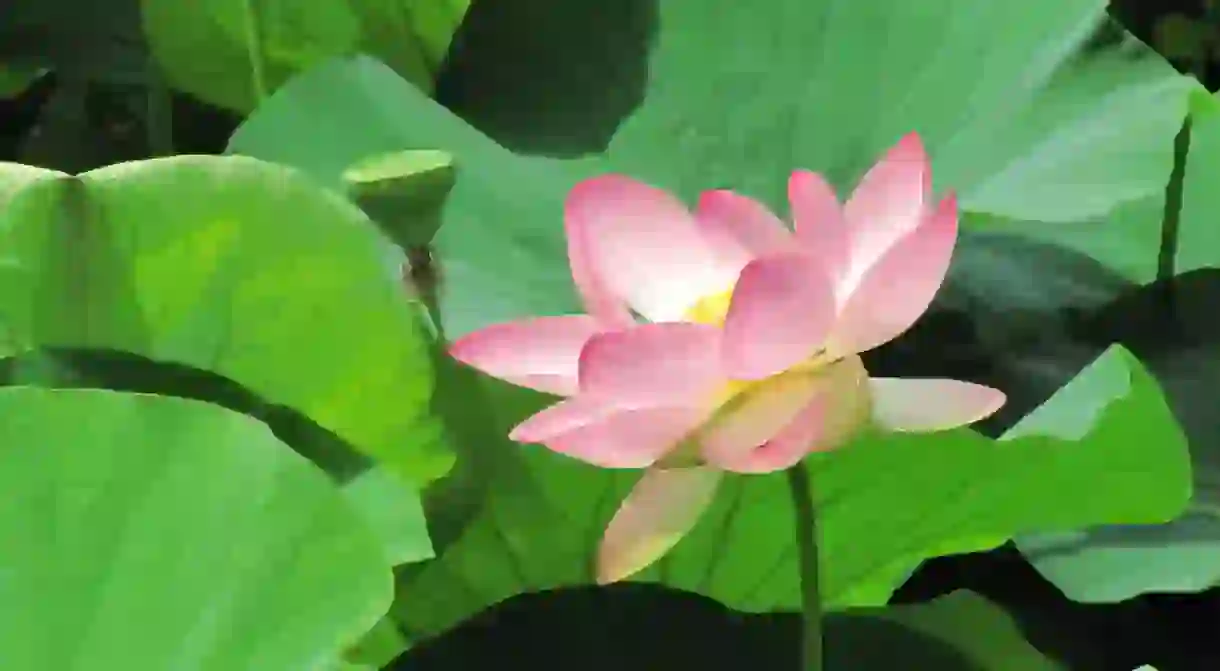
749,358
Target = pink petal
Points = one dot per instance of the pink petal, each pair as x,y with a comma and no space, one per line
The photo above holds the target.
739,228
922,405
639,243
664,506
782,309
597,297
540,353
818,220
652,363
609,436
900,286
839,406
757,416
785,449
889,201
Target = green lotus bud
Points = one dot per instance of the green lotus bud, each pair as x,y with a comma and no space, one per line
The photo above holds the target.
403,191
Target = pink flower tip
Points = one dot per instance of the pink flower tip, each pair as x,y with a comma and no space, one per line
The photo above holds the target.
911,145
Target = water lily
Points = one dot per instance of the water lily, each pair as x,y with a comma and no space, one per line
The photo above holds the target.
719,340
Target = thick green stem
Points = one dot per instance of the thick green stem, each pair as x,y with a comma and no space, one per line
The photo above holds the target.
255,50
807,558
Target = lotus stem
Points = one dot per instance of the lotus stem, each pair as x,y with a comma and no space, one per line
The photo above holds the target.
807,557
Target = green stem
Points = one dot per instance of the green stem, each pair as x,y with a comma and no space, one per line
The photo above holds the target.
1171,213
254,50
807,558
1170,219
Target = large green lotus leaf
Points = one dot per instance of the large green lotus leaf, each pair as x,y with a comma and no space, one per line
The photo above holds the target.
233,266
393,511
1020,121
151,533
233,52
885,504
1114,563
1102,564
1059,117
390,504
1036,122
1023,123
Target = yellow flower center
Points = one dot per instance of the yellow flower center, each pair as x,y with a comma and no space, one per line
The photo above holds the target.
710,309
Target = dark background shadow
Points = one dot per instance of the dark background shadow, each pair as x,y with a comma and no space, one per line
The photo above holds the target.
573,71
650,627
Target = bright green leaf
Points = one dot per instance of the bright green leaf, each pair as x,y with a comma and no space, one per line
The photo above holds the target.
1113,563
885,504
233,266
394,512
153,533
234,52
